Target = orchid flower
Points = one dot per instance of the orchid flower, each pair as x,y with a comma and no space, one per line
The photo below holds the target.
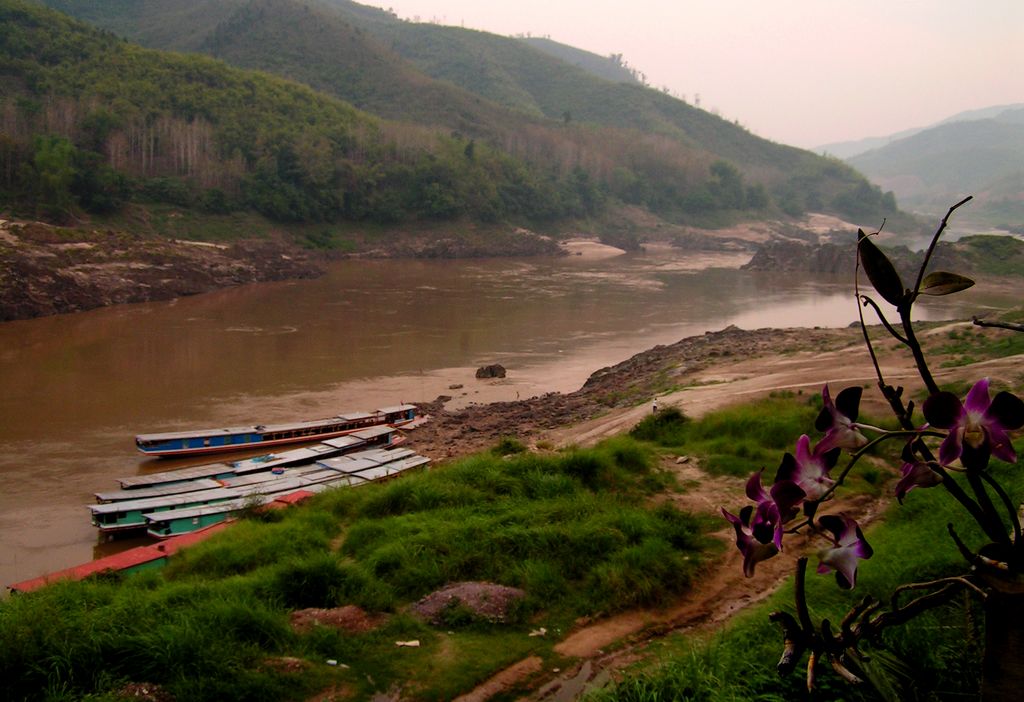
839,420
809,470
915,473
753,549
848,545
759,527
775,507
977,427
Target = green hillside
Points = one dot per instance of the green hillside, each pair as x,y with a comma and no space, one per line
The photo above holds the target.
91,122
611,68
478,126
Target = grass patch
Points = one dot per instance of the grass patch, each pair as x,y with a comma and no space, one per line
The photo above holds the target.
739,440
575,530
965,346
935,656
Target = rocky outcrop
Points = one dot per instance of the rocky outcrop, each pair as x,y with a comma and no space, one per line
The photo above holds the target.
788,256
48,270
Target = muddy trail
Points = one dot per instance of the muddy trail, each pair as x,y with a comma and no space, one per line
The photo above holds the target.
698,375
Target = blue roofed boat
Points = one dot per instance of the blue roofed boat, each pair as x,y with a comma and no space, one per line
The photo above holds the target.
240,438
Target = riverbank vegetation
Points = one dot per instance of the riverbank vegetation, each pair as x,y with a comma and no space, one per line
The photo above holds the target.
584,533
575,530
91,126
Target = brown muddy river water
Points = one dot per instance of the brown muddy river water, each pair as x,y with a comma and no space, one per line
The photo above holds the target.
77,388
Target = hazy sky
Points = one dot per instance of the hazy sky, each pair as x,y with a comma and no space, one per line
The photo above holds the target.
802,72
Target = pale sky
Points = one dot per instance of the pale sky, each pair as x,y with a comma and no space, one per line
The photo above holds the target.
800,72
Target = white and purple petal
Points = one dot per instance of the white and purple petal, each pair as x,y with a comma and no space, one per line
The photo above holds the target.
838,420
849,546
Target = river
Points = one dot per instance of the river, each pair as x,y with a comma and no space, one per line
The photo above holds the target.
77,388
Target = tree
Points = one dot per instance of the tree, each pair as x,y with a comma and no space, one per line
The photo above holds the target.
726,186
52,173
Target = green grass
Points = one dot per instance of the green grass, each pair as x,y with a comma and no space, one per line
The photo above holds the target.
739,440
973,344
577,531
934,657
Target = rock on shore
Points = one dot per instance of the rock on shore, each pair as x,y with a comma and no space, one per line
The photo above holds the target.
48,270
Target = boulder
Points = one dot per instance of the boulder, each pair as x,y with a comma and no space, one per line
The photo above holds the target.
495,370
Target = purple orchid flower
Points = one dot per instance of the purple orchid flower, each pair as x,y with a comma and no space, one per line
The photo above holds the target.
848,545
839,420
775,507
915,473
754,550
759,528
977,427
809,470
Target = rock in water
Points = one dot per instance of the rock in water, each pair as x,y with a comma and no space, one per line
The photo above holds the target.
495,370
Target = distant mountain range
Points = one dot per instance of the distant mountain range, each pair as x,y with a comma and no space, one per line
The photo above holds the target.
978,153
327,111
856,147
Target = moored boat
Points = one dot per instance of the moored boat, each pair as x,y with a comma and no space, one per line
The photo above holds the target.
164,482
344,471
175,507
240,438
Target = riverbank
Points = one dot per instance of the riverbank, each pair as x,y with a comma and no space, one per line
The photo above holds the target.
47,269
699,375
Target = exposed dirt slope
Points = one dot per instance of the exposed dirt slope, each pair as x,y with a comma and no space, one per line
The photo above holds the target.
53,270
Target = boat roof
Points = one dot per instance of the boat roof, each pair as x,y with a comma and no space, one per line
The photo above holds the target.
396,408
158,490
168,501
257,463
202,510
243,502
364,460
270,428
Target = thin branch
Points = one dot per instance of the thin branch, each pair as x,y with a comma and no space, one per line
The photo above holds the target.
992,525
935,241
859,453
867,301
914,607
999,325
906,306
941,581
915,346
967,553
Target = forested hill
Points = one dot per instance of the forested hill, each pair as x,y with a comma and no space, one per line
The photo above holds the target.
91,122
937,166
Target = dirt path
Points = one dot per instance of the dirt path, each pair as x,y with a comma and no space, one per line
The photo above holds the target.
754,365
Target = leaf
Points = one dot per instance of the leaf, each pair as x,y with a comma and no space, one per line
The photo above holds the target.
944,283
881,272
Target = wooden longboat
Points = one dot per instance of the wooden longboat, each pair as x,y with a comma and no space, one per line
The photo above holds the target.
197,504
201,441
184,479
345,471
